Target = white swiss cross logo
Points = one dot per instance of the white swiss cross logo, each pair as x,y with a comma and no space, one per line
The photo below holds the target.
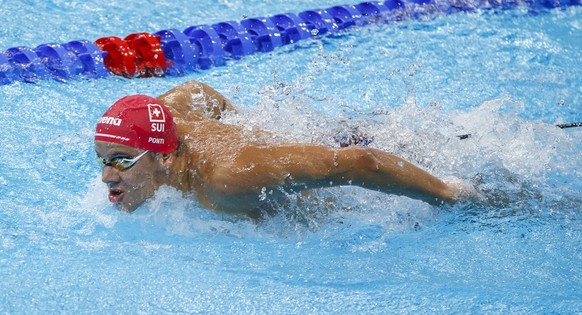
156,113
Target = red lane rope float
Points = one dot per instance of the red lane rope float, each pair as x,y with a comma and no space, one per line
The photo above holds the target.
120,58
149,57
137,55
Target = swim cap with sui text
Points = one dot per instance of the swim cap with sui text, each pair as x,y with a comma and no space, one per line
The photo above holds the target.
139,121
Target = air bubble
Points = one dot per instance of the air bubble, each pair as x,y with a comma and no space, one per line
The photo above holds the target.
263,195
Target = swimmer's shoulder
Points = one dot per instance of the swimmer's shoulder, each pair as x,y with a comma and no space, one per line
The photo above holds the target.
195,98
180,99
182,90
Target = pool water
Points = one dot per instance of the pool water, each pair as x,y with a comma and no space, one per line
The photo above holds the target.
505,77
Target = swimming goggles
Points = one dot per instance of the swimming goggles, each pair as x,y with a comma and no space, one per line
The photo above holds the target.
118,163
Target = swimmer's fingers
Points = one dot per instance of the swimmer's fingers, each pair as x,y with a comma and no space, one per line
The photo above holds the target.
464,190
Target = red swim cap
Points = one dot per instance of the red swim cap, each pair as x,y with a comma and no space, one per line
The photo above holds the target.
139,121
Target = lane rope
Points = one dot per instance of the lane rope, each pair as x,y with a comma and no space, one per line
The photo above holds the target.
171,52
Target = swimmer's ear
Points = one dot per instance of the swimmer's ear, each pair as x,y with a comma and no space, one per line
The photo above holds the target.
166,159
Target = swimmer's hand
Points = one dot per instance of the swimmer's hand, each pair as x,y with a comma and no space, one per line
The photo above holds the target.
463,190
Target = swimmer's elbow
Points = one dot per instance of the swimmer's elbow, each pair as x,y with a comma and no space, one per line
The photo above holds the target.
356,160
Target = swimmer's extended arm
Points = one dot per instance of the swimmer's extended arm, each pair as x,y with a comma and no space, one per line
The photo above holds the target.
195,98
299,167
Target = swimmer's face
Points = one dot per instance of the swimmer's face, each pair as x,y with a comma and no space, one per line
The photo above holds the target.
129,188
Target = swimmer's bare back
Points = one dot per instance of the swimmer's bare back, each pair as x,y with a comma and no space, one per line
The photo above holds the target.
228,171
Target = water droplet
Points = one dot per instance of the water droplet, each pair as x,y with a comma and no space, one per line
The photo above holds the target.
263,194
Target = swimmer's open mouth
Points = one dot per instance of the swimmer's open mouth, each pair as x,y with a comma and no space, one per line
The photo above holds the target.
115,195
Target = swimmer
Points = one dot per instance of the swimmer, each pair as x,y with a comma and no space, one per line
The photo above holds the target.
178,140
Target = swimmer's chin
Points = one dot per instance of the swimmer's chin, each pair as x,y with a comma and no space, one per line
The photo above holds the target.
130,207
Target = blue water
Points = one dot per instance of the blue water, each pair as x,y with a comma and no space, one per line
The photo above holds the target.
506,77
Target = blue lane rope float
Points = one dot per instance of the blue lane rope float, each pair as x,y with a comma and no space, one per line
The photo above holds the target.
175,53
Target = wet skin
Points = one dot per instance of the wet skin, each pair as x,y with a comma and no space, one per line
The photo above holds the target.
131,187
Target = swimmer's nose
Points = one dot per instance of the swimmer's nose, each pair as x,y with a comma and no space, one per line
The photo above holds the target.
110,175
